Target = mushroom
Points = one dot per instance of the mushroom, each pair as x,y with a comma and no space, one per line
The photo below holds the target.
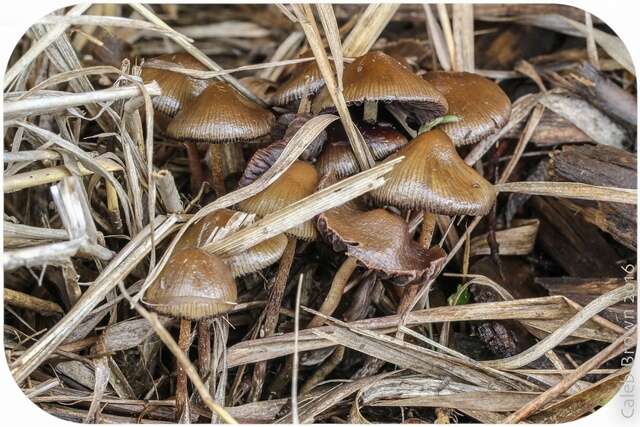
220,115
298,181
481,106
177,90
377,77
193,285
254,259
389,251
433,178
306,80
338,158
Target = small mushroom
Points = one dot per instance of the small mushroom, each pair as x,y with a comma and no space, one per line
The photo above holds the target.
306,80
220,115
177,89
338,158
254,259
297,182
482,108
380,241
434,178
377,77
193,285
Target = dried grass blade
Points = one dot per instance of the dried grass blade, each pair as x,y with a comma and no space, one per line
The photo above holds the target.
368,28
48,104
38,47
23,180
332,34
437,38
572,190
463,37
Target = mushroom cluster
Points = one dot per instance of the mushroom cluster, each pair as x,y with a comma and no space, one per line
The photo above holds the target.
445,109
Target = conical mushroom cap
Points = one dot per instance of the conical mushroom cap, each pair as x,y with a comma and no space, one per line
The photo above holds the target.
483,108
177,89
338,157
220,115
434,177
296,86
380,241
297,182
378,77
253,259
193,285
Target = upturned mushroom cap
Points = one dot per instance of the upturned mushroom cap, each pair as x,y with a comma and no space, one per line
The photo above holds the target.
177,89
482,107
307,78
220,115
434,177
381,241
193,285
338,157
378,77
297,182
253,259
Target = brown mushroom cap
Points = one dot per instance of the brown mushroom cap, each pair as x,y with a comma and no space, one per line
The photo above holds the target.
380,241
253,259
297,182
378,77
482,107
177,89
337,156
220,115
262,88
307,78
434,177
193,285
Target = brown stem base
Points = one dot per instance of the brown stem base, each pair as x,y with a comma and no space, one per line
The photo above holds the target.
182,392
271,313
217,171
195,167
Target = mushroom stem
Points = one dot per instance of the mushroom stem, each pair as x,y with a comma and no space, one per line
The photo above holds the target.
370,114
334,296
324,370
182,393
426,230
426,234
217,173
195,167
272,312
204,347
